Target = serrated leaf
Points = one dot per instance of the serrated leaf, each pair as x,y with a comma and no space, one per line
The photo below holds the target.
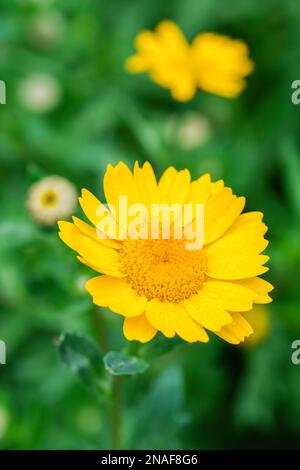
159,347
82,356
118,363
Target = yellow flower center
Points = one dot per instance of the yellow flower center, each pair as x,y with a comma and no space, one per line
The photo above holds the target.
163,269
49,198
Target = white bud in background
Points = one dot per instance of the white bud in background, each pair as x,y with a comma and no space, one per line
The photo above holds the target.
46,28
40,93
50,199
191,131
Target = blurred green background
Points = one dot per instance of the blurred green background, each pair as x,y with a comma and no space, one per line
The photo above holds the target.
213,396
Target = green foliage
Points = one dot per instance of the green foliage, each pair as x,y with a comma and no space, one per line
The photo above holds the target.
191,396
118,363
81,356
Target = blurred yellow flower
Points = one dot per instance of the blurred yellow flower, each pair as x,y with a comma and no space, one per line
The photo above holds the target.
259,319
159,284
213,63
50,199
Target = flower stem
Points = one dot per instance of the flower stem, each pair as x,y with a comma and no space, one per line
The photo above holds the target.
115,405
99,325
116,412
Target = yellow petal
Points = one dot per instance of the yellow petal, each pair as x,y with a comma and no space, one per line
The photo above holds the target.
165,55
158,314
249,220
139,329
89,265
172,37
146,184
117,295
232,296
217,186
260,287
128,303
118,181
103,288
85,228
146,42
174,186
237,267
184,326
137,63
221,210
91,232
236,254
205,309
180,187
220,64
121,194
199,190
237,331
90,206
96,211
68,233
105,258
165,182
185,88
244,239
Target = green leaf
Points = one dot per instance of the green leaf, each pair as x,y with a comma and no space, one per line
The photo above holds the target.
118,363
81,356
159,347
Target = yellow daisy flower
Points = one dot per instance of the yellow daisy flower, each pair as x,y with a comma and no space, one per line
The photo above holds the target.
161,284
213,63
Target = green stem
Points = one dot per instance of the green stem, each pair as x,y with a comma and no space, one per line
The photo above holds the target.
116,413
100,326
133,348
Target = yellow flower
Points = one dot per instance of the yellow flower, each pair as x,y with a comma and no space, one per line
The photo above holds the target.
50,199
161,284
213,63
259,319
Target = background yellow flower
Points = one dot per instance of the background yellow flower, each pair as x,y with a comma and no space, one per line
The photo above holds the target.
259,319
213,63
